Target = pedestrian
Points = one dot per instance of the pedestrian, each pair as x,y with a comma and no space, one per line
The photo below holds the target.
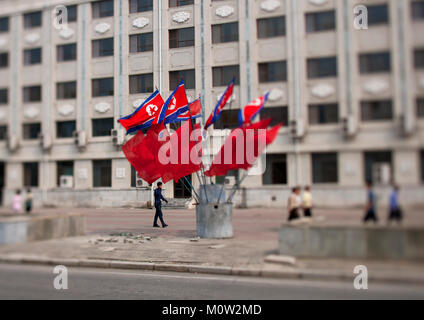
293,204
307,202
28,201
158,206
395,211
370,207
17,201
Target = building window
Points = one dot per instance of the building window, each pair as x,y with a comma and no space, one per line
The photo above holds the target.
374,62
66,90
72,13
320,21
189,77
419,58
222,76
4,96
3,132
325,168
31,130
31,174
64,168
226,32
65,129
378,14
417,8
32,94
133,177
67,52
102,87
420,107
101,9
141,6
373,160
322,67
180,38
141,83
102,127
271,27
102,47
376,110
180,3
277,114
142,42
227,120
32,56
102,173
4,60
276,169
4,24
272,71
323,113
32,20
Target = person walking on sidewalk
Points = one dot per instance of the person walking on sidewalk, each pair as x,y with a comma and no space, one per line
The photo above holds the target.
17,201
28,201
395,211
370,207
307,202
158,206
294,204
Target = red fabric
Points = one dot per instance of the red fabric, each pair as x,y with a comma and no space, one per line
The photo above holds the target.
216,113
242,148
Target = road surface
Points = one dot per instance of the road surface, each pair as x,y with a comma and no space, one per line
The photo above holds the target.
36,282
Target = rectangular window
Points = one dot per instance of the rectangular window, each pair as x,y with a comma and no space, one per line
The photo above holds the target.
322,67
375,62
228,120
323,113
271,27
32,20
277,114
320,21
189,77
66,90
31,130
102,47
276,169
141,83
65,129
102,87
180,3
373,160
222,76
141,6
142,42
4,24
3,132
180,38
272,71
31,174
102,127
102,173
376,110
226,32
4,60
417,9
325,168
133,177
64,168
419,58
67,52
420,107
32,56
378,14
101,9
32,94
72,13
4,96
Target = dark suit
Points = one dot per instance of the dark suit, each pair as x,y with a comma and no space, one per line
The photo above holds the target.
158,206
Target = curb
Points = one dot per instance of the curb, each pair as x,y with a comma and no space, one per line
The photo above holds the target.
212,270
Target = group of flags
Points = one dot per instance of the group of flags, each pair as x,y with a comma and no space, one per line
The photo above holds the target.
148,153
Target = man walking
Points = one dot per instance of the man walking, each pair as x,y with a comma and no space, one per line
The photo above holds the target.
293,204
158,206
307,202
370,208
395,210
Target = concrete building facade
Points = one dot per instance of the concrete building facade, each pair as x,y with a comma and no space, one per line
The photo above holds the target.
350,94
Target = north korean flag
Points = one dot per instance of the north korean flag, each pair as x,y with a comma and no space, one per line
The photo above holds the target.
195,111
176,104
249,112
221,104
147,114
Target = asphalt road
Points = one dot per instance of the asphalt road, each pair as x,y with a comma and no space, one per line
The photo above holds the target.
36,282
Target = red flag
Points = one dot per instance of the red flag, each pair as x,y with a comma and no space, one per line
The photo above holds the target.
176,104
242,148
195,111
249,112
216,113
